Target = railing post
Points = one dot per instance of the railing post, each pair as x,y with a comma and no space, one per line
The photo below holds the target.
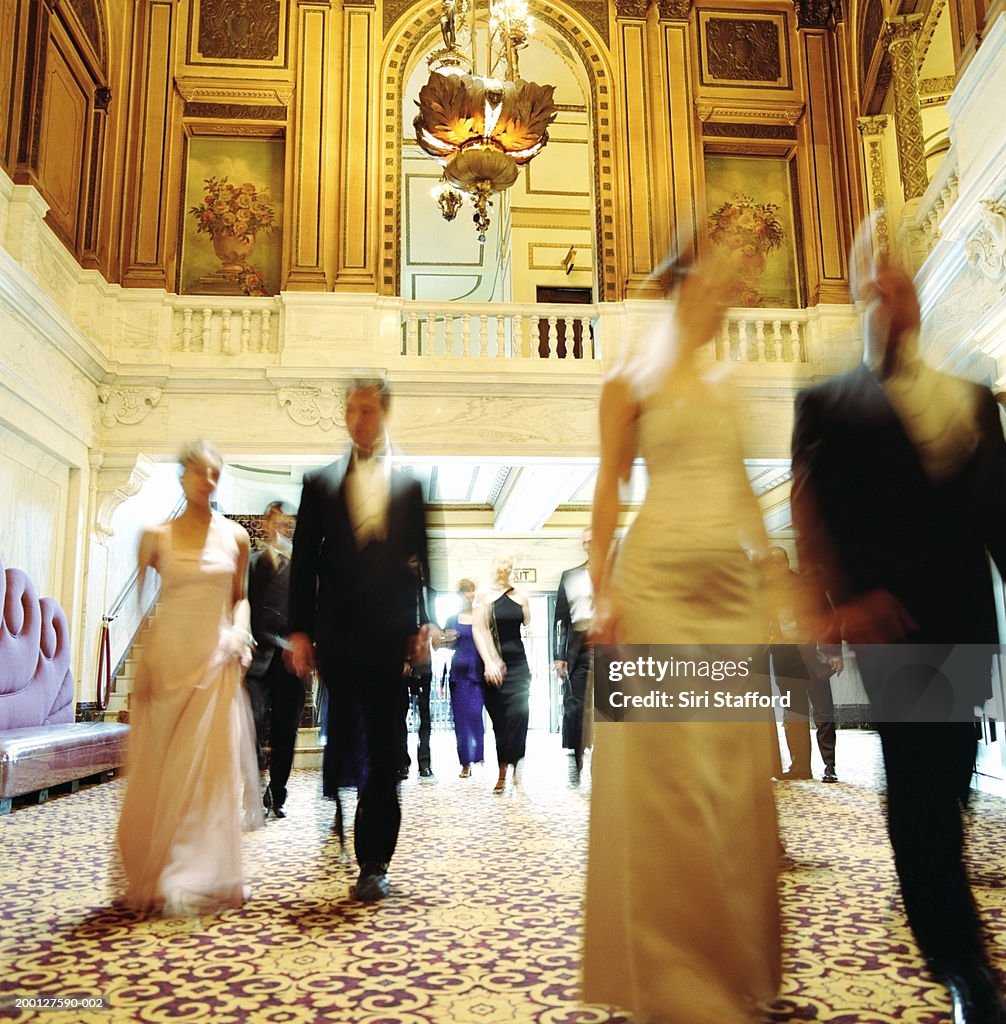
207,332
777,340
500,336
466,335
483,335
518,336
266,329
186,329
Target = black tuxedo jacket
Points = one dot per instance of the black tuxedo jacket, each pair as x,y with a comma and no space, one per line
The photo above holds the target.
869,517
362,603
268,595
562,624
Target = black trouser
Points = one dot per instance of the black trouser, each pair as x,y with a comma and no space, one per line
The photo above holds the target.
929,768
418,696
805,689
574,692
277,700
369,697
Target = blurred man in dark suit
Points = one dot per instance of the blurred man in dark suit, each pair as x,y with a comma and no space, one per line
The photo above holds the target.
277,695
354,595
899,492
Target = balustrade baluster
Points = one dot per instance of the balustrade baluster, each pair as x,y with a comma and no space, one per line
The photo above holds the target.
760,341
448,334
484,335
586,339
721,344
796,355
226,317
517,336
553,337
742,341
245,330
466,335
186,329
267,342
431,333
207,332
777,341
500,336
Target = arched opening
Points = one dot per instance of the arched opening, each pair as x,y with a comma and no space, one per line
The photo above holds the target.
547,229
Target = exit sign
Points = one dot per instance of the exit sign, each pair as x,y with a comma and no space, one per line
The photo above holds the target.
525,575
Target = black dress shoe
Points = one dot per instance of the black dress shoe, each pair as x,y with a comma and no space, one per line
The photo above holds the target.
426,774
278,812
829,775
372,885
975,998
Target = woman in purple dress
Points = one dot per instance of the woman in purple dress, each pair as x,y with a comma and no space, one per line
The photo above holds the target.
466,682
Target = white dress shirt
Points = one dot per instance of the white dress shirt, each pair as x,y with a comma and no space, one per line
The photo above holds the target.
367,497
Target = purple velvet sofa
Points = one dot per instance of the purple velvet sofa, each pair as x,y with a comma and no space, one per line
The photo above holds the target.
40,744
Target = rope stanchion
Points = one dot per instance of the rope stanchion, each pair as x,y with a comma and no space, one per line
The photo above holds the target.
104,684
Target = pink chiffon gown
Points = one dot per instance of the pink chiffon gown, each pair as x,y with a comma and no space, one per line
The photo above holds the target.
193,776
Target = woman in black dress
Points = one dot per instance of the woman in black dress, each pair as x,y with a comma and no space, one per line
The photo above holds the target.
502,612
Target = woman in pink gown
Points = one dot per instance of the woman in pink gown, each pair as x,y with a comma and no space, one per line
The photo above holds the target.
193,779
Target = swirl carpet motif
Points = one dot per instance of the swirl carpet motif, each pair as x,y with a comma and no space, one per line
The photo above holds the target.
483,922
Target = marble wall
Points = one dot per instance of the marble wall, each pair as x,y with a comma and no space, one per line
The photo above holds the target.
33,513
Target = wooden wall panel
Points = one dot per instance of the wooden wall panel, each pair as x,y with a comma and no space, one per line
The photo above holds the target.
61,156
9,25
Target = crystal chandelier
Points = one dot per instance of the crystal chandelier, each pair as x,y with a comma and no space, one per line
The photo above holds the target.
481,128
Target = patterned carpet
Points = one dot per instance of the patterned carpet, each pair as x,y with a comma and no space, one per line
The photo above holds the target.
482,926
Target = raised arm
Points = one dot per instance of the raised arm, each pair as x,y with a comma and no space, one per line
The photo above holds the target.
619,415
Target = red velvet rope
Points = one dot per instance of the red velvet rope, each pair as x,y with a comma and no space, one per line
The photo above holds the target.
104,664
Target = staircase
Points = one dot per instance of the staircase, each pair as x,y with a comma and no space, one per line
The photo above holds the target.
307,753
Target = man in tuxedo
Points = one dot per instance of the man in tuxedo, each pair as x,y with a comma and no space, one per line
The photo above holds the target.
899,489
356,600
277,695
803,672
574,609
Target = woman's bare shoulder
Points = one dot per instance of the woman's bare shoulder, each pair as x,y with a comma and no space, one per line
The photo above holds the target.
240,533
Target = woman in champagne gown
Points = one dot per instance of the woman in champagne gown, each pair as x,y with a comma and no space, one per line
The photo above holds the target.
193,776
503,611
682,921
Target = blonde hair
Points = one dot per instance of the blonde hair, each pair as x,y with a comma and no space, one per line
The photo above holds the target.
201,450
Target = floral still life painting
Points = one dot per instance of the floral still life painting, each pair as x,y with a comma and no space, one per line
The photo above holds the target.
231,229
750,231
750,217
233,215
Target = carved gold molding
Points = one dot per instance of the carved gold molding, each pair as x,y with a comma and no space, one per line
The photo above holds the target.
871,125
900,36
674,10
872,131
783,113
314,406
223,90
126,405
